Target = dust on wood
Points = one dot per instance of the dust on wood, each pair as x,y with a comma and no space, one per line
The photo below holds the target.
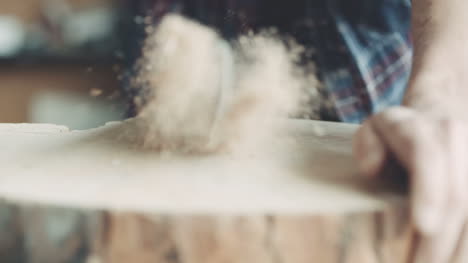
203,94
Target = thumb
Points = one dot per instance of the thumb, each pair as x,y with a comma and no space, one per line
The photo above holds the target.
369,151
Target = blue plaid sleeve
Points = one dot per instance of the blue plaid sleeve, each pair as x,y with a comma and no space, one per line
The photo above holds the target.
376,57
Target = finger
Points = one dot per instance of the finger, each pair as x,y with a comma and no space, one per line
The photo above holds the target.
413,143
456,147
368,150
441,247
461,253
399,130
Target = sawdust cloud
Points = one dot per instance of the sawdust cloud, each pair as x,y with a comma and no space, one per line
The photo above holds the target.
204,95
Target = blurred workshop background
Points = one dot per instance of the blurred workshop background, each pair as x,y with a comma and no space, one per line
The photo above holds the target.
61,61
67,62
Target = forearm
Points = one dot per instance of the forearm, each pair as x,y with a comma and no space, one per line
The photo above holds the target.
440,64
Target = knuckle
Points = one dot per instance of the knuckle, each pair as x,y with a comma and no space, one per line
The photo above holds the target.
452,127
457,198
412,146
394,126
412,135
457,201
401,127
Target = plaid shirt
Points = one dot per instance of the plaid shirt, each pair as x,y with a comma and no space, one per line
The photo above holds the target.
363,47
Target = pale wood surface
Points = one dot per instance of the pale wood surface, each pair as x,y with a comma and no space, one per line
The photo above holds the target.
95,196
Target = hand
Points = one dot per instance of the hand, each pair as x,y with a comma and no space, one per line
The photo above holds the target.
432,145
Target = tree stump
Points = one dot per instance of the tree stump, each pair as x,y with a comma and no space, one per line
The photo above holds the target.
96,197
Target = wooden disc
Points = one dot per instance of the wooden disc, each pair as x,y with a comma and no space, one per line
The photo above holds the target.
98,196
